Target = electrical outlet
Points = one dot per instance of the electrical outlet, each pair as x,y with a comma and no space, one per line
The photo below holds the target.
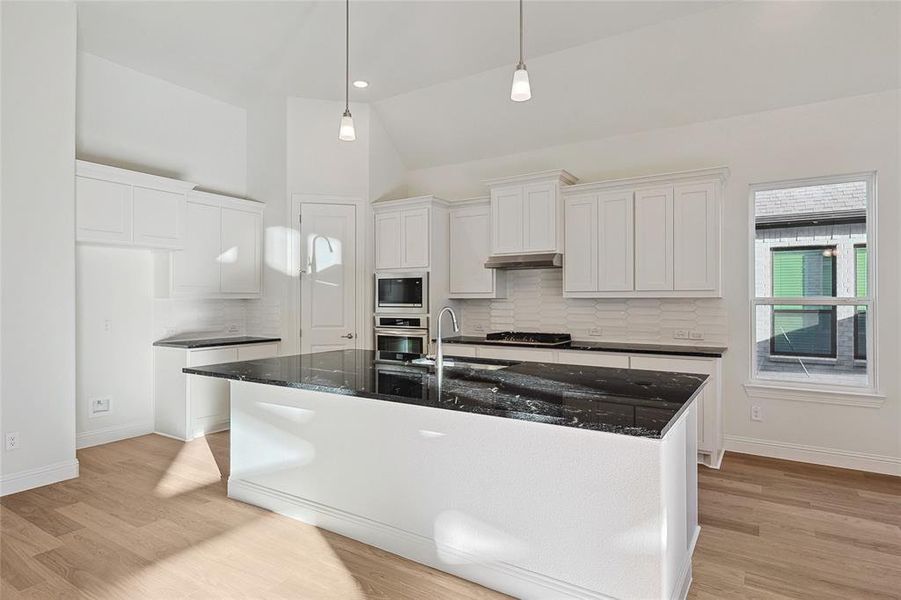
680,334
107,325
101,406
696,335
479,327
12,440
233,328
756,413
595,332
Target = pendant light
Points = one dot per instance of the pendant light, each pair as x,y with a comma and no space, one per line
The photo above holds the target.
520,91
346,132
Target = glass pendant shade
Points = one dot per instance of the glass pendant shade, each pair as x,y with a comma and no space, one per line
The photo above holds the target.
520,92
346,133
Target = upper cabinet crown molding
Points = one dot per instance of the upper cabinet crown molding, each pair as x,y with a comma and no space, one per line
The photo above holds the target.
562,175
415,201
84,168
720,174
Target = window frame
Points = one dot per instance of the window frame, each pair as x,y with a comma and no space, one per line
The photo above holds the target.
869,301
833,342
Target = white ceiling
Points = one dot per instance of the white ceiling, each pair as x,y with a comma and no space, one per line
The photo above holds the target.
234,50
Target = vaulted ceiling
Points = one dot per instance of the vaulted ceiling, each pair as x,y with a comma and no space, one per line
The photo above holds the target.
440,70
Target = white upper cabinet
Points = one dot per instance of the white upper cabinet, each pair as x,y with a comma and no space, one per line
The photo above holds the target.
240,263
388,242
195,269
414,225
404,232
470,232
223,252
117,206
696,236
654,237
580,256
527,213
159,218
102,211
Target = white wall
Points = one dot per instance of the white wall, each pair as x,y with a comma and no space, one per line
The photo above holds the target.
387,172
114,303
840,136
132,120
135,121
38,243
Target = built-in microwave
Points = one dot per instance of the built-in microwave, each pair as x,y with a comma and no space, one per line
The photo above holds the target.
402,292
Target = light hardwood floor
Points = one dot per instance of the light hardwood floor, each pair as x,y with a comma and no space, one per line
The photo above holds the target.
148,518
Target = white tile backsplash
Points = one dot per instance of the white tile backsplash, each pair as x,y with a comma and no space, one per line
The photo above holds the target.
196,318
535,302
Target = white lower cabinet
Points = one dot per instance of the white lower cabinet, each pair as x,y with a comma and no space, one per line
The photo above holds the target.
710,437
186,406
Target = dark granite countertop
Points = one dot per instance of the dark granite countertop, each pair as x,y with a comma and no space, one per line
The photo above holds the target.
637,347
214,342
625,401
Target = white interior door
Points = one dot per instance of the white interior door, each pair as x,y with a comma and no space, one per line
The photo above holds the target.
328,290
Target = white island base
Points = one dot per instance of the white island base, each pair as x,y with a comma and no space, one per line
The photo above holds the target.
529,509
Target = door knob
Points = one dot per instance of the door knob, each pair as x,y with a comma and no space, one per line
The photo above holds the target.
349,336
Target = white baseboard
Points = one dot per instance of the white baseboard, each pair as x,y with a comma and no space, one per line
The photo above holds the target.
832,457
504,577
86,439
32,478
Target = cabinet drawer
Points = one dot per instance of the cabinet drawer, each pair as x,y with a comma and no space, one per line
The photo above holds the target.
524,354
675,365
593,359
199,358
459,350
257,351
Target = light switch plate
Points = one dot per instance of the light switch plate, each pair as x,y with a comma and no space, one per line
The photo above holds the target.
595,332
696,335
680,334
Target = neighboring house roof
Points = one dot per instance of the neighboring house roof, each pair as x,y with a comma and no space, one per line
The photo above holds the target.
818,204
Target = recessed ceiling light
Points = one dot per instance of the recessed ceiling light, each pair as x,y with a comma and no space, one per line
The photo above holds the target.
359,83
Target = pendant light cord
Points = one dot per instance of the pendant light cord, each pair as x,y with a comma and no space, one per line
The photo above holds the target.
520,33
347,55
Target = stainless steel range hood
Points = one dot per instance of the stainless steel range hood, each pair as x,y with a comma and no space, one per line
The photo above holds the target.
550,260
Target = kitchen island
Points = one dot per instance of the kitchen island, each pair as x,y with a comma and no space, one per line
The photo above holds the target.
538,480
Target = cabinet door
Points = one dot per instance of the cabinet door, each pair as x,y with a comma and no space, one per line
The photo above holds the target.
195,270
159,218
103,211
506,220
387,240
208,405
470,231
415,231
707,409
580,256
540,217
616,265
593,359
695,237
240,262
654,239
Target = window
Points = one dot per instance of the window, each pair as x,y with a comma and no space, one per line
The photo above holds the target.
800,330
813,303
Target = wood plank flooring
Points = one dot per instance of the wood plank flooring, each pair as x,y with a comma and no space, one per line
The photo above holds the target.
148,518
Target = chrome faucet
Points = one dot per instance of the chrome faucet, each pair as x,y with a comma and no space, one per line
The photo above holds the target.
439,352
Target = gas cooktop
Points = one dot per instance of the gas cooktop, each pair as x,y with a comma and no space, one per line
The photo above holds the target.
525,337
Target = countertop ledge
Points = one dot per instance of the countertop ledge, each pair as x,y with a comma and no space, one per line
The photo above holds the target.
623,401
620,347
193,344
